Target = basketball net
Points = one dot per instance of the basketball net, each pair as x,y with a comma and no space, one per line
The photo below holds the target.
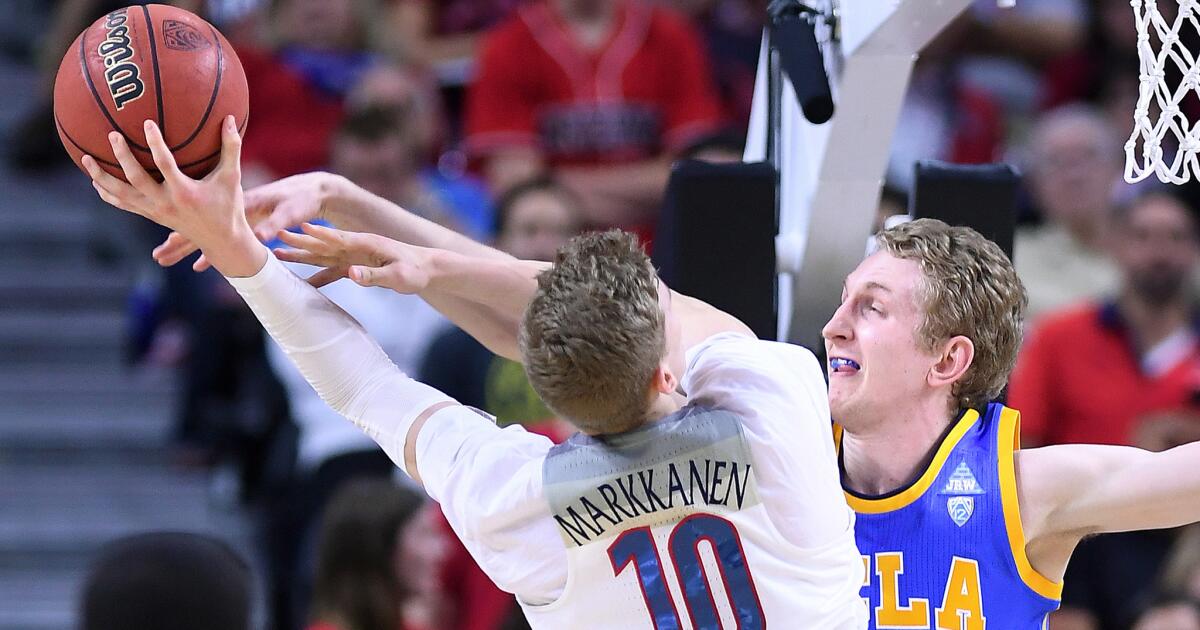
1158,119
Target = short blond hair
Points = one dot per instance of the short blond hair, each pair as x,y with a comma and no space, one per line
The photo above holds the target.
968,288
594,333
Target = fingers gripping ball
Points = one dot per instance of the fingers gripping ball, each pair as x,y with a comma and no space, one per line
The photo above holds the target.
149,62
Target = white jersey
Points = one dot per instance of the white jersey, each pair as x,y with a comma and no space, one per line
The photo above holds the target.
728,513
665,528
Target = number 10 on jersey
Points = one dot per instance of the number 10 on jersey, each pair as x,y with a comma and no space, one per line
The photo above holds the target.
636,547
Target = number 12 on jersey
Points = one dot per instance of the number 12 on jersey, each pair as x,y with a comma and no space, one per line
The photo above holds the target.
636,547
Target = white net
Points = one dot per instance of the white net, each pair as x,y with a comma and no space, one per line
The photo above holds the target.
1164,142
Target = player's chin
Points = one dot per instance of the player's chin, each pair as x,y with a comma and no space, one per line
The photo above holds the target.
840,398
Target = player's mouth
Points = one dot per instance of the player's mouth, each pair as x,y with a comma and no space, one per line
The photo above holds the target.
842,365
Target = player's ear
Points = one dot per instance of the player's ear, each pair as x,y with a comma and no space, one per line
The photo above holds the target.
663,381
955,358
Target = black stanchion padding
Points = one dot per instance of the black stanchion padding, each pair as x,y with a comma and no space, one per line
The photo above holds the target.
983,197
716,239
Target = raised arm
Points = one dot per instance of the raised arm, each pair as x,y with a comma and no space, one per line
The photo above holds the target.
345,366
487,480
484,296
1071,491
487,300
311,196
1107,489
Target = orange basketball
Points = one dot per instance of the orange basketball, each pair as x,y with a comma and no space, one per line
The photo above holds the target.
153,62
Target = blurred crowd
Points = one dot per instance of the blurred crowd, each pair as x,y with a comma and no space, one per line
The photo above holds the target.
523,122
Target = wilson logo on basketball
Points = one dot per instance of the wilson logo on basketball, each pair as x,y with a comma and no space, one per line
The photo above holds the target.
123,76
182,36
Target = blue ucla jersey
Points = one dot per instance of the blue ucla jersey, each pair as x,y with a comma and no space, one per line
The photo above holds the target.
948,551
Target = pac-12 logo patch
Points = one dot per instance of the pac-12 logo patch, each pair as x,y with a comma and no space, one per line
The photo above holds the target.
960,509
182,36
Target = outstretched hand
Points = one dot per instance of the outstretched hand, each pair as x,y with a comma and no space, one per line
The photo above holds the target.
208,212
369,260
269,209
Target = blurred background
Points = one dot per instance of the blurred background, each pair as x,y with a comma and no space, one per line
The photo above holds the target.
136,399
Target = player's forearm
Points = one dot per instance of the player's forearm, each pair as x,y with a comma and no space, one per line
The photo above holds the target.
486,298
1170,483
1106,489
496,332
357,210
345,366
237,256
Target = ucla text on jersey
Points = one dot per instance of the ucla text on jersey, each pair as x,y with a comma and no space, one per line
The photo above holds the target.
948,551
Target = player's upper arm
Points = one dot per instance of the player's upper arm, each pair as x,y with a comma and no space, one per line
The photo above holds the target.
489,484
1092,489
778,388
774,369
699,321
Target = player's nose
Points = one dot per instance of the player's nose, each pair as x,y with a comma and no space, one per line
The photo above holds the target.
838,328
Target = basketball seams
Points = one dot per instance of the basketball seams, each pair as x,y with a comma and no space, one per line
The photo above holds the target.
154,172
74,143
217,153
154,62
212,99
87,75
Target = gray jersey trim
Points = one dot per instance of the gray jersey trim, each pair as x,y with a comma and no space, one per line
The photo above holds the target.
697,459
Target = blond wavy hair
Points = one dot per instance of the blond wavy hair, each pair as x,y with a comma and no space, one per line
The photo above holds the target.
593,334
968,288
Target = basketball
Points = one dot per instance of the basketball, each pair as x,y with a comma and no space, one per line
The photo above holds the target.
149,62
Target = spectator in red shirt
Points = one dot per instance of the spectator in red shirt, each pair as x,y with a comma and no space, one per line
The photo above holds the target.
1125,371
602,91
322,48
439,32
732,32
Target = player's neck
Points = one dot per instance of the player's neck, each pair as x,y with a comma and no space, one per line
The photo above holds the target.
663,406
888,454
